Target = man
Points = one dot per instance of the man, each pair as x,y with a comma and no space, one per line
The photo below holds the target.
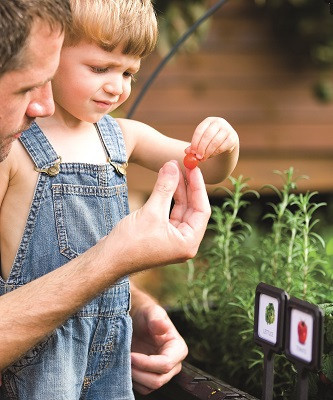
31,34
29,53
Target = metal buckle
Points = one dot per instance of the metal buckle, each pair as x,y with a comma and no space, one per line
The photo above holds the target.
53,170
120,168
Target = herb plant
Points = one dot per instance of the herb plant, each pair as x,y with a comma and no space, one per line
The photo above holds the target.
235,256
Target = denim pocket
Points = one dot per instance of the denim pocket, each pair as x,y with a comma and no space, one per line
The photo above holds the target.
108,374
84,214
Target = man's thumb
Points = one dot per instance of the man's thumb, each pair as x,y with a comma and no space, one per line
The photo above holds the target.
165,186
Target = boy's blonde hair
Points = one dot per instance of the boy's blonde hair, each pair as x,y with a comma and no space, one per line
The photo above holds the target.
111,22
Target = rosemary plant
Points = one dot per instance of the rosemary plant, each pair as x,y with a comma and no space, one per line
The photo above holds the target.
219,298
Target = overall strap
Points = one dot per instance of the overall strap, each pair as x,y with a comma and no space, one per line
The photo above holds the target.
40,150
114,143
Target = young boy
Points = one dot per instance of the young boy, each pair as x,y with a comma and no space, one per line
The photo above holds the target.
68,180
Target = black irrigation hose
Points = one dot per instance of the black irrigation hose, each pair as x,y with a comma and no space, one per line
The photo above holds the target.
179,42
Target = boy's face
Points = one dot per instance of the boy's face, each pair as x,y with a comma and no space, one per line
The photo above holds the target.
26,92
91,82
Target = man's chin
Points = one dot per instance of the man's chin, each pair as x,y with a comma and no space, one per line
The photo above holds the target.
5,147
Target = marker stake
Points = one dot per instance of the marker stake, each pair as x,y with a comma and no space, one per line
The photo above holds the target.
268,377
269,321
304,341
302,382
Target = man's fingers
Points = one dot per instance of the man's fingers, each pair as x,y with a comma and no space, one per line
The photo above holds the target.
198,208
164,189
196,185
181,202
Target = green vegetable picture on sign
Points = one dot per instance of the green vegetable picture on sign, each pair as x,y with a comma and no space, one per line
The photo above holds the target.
270,314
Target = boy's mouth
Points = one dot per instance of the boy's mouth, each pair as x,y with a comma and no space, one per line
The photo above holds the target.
103,104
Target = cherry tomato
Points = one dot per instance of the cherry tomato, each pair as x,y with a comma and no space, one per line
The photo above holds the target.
190,161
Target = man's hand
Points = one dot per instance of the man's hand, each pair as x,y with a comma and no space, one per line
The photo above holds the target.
152,236
157,347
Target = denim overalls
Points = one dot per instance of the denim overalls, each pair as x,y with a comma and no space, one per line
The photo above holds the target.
74,205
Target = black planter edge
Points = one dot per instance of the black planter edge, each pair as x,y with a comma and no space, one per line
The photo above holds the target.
194,384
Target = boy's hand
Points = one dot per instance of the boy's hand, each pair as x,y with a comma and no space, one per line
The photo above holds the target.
213,136
157,348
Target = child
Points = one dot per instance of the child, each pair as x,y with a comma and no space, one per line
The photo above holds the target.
68,180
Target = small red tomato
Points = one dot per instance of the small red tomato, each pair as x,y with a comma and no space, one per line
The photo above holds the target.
190,161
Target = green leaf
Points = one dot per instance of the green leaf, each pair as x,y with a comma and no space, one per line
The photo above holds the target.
329,247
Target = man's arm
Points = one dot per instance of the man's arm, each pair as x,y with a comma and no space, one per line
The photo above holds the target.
143,239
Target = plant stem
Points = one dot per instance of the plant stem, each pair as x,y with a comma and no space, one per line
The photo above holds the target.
290,258
306,231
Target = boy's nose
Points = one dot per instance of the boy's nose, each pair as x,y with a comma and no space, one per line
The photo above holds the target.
42,104
115,87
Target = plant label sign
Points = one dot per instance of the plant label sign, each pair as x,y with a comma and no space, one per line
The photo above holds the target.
304,333
269,319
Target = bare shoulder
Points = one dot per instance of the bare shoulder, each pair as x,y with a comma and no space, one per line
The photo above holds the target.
16,193
9,168
9,165
19,162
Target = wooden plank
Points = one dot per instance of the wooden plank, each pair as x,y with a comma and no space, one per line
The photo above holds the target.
259,170
242,75
288,97
270,137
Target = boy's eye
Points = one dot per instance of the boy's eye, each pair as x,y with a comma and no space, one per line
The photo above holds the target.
129,75
99,70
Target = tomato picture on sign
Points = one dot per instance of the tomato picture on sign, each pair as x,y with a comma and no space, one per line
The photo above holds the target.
301,335
302,331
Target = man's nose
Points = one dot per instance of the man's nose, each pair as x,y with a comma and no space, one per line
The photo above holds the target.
42,104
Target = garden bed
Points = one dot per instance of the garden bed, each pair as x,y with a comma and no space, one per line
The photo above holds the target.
193,384
287,242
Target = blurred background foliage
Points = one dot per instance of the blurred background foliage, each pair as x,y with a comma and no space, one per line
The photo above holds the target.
175,17
303,28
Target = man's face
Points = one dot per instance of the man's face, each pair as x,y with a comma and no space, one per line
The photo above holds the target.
26,93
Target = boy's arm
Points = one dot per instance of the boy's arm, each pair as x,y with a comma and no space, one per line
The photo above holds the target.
144,239
214,138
